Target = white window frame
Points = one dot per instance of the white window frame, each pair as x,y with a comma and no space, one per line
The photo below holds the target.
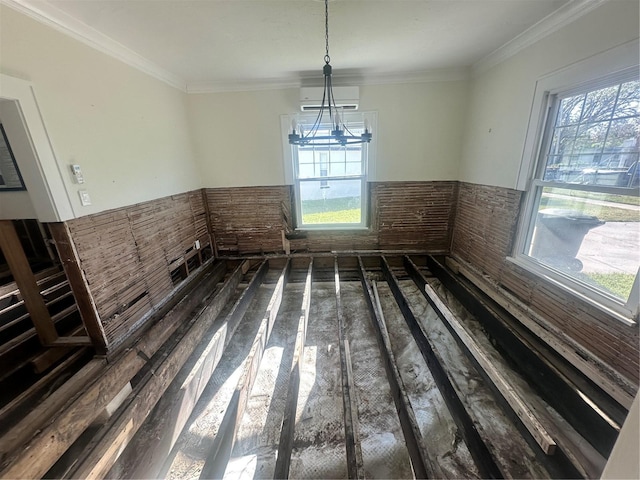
613,66
368,169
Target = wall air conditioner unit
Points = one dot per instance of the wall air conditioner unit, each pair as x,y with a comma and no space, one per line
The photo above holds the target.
345,97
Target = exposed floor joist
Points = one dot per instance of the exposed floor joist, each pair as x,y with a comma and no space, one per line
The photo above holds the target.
335,366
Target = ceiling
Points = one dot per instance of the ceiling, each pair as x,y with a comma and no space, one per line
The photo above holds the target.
233,44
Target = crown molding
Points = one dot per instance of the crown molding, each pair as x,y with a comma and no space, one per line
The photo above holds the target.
551,23
46,13
242,86
439,75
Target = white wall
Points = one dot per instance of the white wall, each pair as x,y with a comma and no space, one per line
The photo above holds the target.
238,140
127,131
501,98
623,461
138,139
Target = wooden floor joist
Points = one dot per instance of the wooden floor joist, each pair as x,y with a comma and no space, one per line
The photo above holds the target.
41,277
150,389
36,390
584,458
220,452
283,460
617,386
423,466
542,373
144,457
476,445
355,463
517,403
31,457
33,445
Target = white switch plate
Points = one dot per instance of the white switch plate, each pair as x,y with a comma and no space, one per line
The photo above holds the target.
85,199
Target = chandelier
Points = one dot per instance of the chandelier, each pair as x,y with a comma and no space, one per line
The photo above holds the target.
328,114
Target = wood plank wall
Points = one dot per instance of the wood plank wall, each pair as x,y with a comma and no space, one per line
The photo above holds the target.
404,215
483,235
128,254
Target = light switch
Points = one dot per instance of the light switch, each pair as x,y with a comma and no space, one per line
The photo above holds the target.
85,199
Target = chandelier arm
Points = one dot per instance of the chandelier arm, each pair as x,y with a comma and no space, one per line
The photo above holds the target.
348,131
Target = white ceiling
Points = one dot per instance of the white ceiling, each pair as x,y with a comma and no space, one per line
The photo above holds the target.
233,44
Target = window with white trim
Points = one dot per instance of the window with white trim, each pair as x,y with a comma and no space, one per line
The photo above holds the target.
330,182
581,225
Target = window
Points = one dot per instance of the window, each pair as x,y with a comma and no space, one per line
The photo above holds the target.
582,215
331,182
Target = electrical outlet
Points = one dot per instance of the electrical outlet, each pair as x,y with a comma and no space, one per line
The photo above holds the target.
85,199
197,245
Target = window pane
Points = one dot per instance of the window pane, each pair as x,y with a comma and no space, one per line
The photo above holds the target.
596,138
322,161
331,201
592,237
628,100
599,104
570,110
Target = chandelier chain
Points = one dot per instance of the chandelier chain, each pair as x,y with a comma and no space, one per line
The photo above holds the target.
327,58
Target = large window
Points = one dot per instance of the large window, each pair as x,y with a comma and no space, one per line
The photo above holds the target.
331,182
582,224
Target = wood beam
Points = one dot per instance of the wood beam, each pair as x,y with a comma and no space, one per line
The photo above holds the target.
615,385
207,212
36,389
74,341
355,463
50,356
32,446
468,428
106,451
287,432
145,455
26,282
524,412
23,448
423,467
79,287
555,389
42,276
220,452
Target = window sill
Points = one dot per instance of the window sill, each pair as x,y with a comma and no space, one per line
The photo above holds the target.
337,228
593,298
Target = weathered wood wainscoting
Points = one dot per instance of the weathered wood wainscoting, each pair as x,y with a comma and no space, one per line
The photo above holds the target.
133,257
605,349
403,215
